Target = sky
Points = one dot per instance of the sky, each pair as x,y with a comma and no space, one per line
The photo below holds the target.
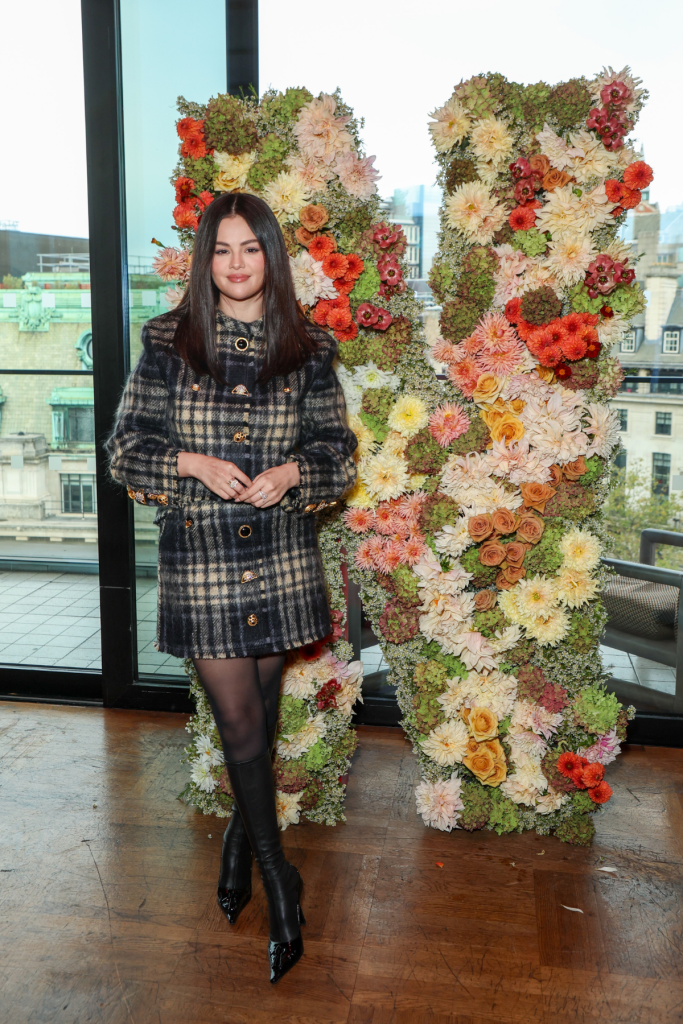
393,64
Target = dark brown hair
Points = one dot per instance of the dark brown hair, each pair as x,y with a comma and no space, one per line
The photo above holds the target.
286,337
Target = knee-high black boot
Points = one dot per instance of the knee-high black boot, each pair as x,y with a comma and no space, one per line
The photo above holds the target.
234,880
252,785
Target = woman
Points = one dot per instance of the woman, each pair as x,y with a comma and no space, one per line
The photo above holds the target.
233,422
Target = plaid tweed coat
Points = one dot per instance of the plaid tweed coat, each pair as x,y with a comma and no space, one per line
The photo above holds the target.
234,580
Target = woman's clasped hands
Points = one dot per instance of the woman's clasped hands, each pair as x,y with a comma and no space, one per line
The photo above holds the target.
229,482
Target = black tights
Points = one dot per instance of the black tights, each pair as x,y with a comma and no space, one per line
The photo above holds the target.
243,694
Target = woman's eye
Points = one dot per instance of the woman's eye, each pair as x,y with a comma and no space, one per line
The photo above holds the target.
253,250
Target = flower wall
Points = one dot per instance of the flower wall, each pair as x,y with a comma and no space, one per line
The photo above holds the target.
303,156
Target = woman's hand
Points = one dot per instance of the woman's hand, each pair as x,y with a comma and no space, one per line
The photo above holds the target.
270,487
223,478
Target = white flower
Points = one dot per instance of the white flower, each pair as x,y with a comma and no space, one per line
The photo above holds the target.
294,746
298,680
452,125
439,803
409,415
314,175
495,691
288,808
550,801
581,550
549,629
526,785
447,743
472,210
321,135
369,375
535,718
200,773
603,424
351,680
453,540
611,331
233,170
309,279
385,476
286,195
556,149
353,392
596,160
568,260
491,144
206,748
575,588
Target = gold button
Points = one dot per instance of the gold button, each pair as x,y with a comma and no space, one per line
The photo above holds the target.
195,387
242,344
131,493
287,391
321,506
310,508
248,576
162,499
331,503
252,620
239,436
188,524
244,531
140,497
239,390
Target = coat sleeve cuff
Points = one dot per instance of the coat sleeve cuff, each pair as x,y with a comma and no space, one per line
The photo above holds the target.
167,493
302,499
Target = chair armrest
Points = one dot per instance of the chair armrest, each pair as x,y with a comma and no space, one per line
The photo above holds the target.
650,573
649,539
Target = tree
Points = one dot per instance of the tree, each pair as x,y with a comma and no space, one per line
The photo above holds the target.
632,507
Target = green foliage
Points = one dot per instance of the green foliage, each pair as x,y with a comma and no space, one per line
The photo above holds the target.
355,352
596,710
226,128
441,278
631,507
504,816
452,664
351,231
595,468
584,633
459,172
437,510
318,756
475,438
293,715
569,102
406,585
424,454
541,305
477,806
366,286
376,425
627,299
459,318
488,622
484,575
271,160
578,830
545,557
430,681
532,242
202,172
284,107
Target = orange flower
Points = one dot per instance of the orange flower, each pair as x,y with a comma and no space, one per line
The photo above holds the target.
303,236
503,520
185,215
356,267
530,528
614,190
320,312
343,286
556,179
483,724
492,552
347,333
480,527
601,793
536,496
630,198
514,573
322,246
573,470
314,217
514,553
638,175
555,476
338,319
540,165
193,147
485,600
502,582
335,265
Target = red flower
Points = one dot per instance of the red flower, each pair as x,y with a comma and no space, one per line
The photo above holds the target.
185,216
194,148
522,218
389,269
617,210
555,332
573,324
592,774
562,371
638,175
347,333
593,349
384,319
367,314
630,198
513,311
588,334
607,312
577,779
320,312
335,265
385,236
321,246
569,762
338,318
616,93
614,190
573,347
183,189
591,318
601,793
343,286
521,168
356,267
204,199
525,189
189,128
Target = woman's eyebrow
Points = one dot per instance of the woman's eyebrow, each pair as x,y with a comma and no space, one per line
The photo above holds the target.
249,241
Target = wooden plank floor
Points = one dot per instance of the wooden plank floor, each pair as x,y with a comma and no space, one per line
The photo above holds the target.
107,910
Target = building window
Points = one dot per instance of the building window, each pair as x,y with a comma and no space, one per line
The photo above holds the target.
623,419
78,492
661,473
671,342
628,343
73,417
663,423
620,460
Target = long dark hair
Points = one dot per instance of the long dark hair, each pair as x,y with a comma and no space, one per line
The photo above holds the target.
286,337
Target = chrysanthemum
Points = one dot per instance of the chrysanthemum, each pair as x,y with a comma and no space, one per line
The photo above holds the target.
603,424
391,556
574,588
385,519
232,170
465,375
359,520
288,808
299,679
370,376
309,279
551,629
439,803
294,746
451,125
448,422
472,210
568,260
561,215
172,264
494,332
443,351
357,175
321,135
522,218
447,743
395,443
200,773
376,551
595,208
638,175
410,506
580,549
556,149
385,476
359,497
313,174
205,748
364,557
491,142
535,597
286,195
409,415
412,550
453,540
501,362
364,436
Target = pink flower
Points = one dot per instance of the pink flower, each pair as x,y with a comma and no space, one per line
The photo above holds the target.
412,550
616,93
385,236
376,550
172,264
494,332
448,422
367,314
391,556
443,351
359,520
358,177
501,361
384,319
364,559
384,520
410,506
389,269
465,376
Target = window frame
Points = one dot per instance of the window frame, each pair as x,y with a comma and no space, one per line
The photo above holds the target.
668,422
671,336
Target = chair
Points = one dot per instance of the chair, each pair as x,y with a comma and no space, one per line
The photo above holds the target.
645,606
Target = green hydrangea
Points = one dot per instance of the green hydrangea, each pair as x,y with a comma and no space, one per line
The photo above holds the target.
540,306
569,103
441,278
581,301
293,715
352,230
458,319
227,129
488,622
284,107
437,510
376,425
477,96
318,756
504,816
271,160
483,575
405,585
531,683
582,802
424,454
627,299
355,352
427,713
584,635
290,776
476,284
203,172
532,242
453,665
375,408
578,830
475,438
571,501
545,557
595,468
459,172
477,806
367,285
596,710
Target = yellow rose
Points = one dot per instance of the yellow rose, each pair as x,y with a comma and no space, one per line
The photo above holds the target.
483,724
480,762
499,772
507,428
487,390
498,775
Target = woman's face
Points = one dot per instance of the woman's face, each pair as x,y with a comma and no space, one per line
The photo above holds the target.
238,262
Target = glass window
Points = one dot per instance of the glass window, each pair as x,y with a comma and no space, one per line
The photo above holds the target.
628,343
78,493
663,423
620,460
623,419
671,342
661,472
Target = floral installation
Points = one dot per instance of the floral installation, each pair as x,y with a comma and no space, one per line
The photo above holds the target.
303,155
476,527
